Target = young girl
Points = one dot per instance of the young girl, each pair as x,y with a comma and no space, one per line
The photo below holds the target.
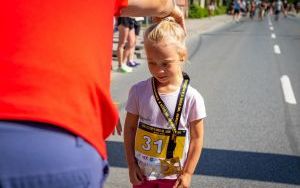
163,133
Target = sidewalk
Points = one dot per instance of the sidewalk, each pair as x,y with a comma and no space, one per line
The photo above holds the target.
199,26
194,27
294,14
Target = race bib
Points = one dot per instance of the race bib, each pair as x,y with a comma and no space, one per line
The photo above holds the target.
153,141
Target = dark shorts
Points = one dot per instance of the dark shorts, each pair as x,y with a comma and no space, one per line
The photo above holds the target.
236,11
126,21
38,155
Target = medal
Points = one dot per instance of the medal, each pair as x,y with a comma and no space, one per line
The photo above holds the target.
170,166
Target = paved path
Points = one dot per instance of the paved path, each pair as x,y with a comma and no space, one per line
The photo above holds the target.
198,26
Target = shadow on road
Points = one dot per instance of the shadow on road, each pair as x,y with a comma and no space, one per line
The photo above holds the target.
233,164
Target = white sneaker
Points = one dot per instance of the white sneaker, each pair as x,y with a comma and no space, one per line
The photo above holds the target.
124,69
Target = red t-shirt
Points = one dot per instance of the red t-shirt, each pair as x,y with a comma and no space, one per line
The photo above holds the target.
55,61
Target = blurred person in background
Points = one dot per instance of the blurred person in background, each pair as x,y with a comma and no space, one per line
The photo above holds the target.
126,42
285,5
277,8
237,10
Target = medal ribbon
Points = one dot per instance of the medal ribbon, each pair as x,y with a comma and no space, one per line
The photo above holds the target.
174,123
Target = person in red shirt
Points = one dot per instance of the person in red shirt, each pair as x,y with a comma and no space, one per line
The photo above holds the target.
55,104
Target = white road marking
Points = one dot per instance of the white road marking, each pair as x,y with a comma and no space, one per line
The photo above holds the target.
277,49
287,90
273,36
271,28
269,20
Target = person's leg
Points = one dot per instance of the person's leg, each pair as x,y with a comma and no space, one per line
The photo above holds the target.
276,15
39,155
137,28
233,15
129,46
123,35
285,12
131,62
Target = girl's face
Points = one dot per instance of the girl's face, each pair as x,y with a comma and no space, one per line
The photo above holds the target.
164,61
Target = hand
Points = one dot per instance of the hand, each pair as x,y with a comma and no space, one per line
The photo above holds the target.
177,15
118,128
183,181
135,175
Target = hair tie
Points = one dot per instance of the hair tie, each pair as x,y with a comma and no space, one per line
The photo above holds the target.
168,19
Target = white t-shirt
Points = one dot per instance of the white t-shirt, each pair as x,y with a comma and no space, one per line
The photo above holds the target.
278,5
141,101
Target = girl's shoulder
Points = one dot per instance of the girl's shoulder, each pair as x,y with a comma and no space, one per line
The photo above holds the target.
142,85
193,93
191,90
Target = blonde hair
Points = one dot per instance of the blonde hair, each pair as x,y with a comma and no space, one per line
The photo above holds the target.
170,31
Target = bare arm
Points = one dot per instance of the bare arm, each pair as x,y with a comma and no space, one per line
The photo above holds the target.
130,127
154,8
157,8
194,153
118,126
196,145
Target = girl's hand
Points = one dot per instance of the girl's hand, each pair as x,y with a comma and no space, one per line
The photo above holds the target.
135,175
118,128
183,181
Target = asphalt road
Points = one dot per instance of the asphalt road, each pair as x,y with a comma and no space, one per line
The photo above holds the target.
252,133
